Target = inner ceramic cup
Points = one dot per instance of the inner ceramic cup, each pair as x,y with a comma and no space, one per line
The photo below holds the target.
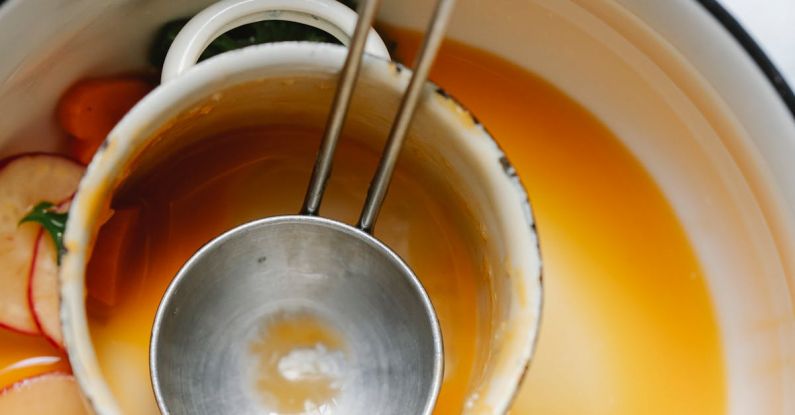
288,86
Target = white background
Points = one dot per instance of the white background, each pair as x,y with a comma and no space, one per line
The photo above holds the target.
772,24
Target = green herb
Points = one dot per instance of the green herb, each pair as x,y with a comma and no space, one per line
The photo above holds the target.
54,222
246,35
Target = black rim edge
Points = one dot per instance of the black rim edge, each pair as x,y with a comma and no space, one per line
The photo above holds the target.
757,54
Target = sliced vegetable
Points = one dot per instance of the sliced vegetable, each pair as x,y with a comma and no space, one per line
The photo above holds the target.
90,109
43,289
82,150
48,394
107,263
24,182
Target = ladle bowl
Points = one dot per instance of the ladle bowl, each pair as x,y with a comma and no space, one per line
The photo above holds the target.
388,344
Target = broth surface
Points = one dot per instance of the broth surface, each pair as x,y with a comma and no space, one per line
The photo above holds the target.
628,326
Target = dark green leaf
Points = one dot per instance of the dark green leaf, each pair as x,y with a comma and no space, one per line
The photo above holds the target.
54,222
247,35
163,39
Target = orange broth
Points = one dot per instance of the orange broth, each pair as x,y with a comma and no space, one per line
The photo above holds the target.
252,173
628,325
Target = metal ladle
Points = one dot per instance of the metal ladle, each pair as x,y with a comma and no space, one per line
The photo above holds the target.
385,353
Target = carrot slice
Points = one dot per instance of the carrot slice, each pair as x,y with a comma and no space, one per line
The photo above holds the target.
83,150
92,107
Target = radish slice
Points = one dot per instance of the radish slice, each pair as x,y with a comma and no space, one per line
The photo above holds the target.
48,394
25,181
44,297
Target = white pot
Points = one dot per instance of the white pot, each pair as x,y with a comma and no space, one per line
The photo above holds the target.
695,105
289,84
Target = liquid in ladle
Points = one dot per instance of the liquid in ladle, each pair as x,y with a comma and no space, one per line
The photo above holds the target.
300,364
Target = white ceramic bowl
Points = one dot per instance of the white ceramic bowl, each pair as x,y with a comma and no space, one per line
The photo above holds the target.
676,80
288,83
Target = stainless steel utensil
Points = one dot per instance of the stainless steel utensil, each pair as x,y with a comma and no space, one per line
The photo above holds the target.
222,341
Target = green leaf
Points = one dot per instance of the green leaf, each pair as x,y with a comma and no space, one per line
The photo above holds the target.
54,222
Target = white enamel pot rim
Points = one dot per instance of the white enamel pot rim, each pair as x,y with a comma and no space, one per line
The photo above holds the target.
763,62
512,210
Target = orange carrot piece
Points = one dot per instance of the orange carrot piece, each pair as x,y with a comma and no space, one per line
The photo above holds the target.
91,108
83,150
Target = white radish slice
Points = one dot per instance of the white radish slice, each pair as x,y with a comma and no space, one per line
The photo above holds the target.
44,297
48,394
25,181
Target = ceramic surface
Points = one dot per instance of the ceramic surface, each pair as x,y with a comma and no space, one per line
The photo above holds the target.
666,77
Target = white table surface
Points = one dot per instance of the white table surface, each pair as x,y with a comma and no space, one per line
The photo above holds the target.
772,24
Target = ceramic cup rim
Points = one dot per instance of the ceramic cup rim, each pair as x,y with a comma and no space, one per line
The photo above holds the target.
133,132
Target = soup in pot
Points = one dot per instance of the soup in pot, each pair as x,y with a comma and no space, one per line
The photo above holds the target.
624,296
628,325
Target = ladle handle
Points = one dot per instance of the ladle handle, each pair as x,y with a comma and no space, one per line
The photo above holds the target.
342,99
408,105
380,183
